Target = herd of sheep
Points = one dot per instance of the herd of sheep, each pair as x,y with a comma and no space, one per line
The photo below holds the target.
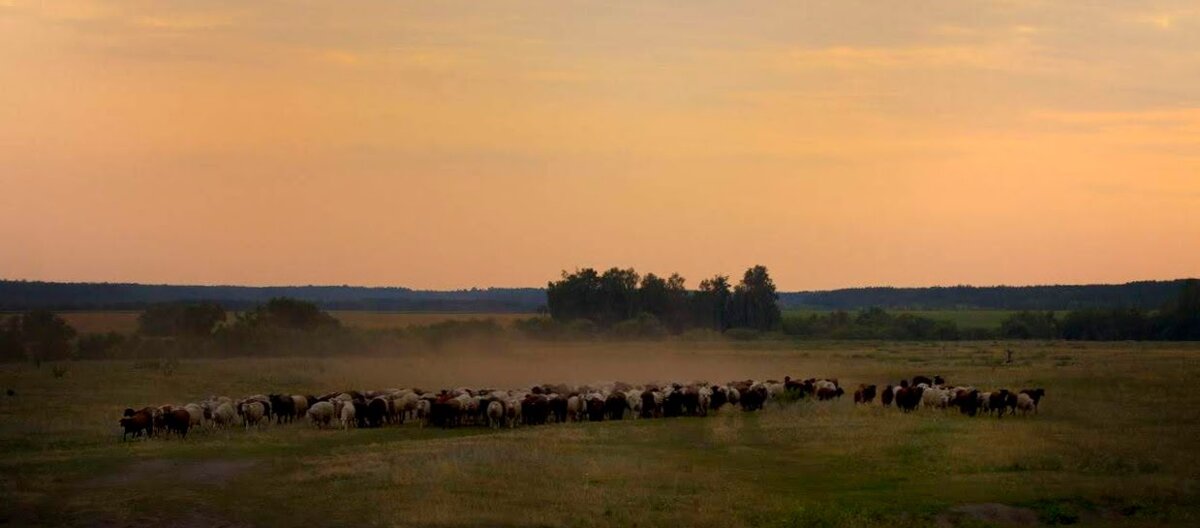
553,403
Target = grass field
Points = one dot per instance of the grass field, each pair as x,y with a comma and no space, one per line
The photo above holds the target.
1115,444
986,319
126,321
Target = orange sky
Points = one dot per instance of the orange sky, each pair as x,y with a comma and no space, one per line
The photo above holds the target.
457,144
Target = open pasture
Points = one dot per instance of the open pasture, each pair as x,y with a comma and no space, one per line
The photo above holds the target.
125,322
1113,445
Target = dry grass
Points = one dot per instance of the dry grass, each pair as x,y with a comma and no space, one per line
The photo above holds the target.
126,321
1114,444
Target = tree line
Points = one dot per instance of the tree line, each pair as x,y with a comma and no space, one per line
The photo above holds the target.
615,304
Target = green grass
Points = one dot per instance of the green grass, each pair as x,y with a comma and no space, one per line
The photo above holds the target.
1113,445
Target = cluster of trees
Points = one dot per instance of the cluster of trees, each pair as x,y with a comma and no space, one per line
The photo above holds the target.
36,336
873,323
624,302
1177,320
177,328
1147,295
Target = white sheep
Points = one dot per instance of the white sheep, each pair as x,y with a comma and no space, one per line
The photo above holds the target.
321,414
347,415
1025,403
196,414
224,415
253,412
300,403
495,414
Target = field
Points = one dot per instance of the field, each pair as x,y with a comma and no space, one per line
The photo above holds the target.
983,319
126,321
1114,444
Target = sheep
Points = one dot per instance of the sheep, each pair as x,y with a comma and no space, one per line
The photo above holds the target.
864,394
177,421
253,413
889,393
196,413
1025,403
300,404
615,406
495,414
1035,395
347,414
224,415
137,423
320,414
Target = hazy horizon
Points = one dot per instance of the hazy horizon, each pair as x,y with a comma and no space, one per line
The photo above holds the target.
448,145
691,283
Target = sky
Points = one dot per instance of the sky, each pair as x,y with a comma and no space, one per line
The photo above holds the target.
458,144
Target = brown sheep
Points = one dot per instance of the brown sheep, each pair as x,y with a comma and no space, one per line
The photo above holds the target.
137,423
864,394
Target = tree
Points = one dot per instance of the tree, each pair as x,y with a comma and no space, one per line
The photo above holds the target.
45,336
293,314
11,347
711,303
1180,318
617,298
576,295
1030,325
180,319
755,301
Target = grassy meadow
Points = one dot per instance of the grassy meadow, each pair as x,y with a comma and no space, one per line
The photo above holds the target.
1114,444
974,319
125,322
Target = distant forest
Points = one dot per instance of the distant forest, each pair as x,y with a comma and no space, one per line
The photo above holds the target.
25,295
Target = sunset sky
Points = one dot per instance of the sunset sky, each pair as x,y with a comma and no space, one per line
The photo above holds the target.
495,143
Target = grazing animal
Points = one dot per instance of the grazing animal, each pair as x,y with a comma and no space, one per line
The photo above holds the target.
1025,403
907,398
649,404
1036,395
495,414
889,393
224,415
137,423
252,412
917,380
177,421
346,416
615,406
864,394
321,414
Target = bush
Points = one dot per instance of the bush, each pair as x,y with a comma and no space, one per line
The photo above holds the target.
644,326
99,346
